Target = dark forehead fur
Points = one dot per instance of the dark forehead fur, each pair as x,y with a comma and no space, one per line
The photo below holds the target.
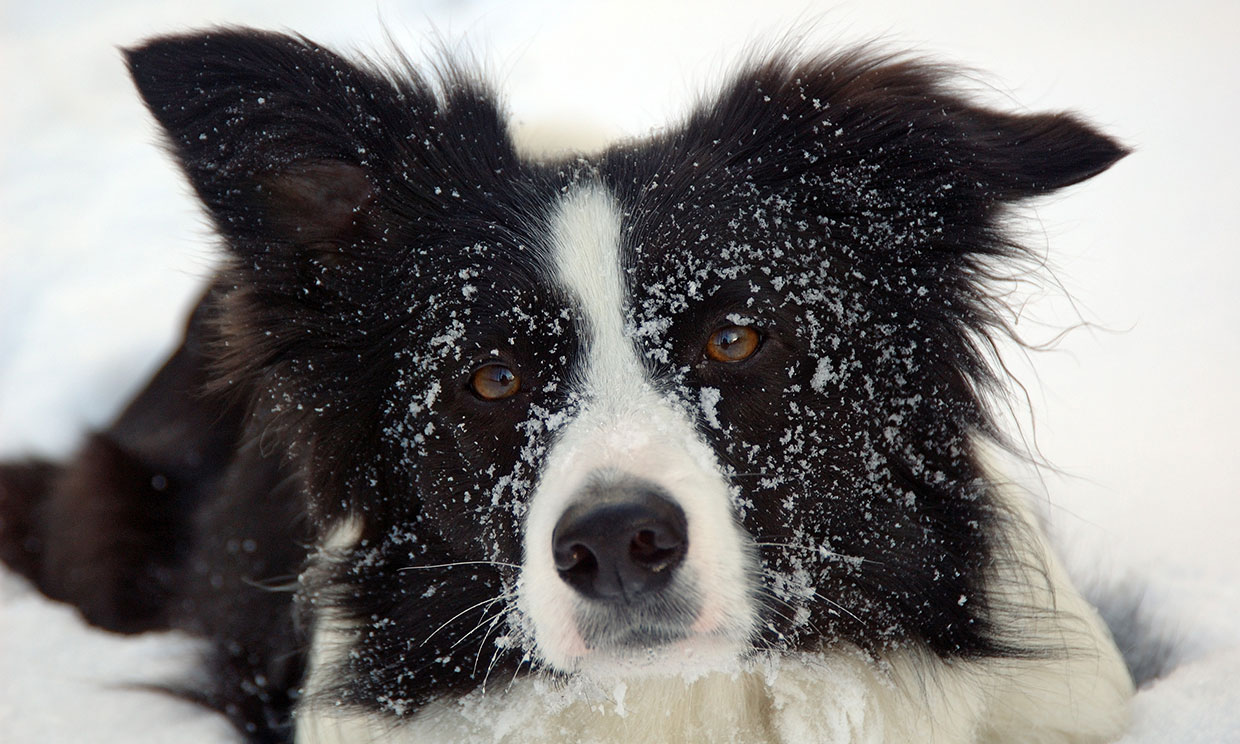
385,239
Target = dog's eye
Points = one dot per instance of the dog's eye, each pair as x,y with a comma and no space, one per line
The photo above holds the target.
732,344
493,381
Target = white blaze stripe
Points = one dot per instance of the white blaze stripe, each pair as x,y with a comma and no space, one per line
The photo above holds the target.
586,255
626,426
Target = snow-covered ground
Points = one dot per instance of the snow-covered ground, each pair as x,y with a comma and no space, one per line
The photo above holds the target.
101,252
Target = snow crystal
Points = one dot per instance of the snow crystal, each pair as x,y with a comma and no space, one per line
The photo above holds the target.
710,400
824,375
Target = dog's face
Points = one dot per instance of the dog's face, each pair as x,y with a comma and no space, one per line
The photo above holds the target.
701,396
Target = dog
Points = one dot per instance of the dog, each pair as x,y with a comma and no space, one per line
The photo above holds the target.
680,441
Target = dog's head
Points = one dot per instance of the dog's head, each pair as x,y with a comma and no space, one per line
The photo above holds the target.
703,395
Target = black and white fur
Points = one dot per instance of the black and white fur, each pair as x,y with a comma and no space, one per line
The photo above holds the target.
369,545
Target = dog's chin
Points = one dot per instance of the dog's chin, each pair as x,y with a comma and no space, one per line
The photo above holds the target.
660,653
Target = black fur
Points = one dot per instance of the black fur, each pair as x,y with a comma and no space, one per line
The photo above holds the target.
886,192
850,206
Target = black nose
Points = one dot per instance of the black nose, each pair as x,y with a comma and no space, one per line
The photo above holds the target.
620,544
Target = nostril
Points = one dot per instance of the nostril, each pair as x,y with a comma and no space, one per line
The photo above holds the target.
643,544
619,546
655,549
575,558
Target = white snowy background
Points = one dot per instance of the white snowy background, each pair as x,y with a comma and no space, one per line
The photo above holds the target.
102,251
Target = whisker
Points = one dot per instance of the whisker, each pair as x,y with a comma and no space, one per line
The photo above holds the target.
460,563
839,607
770,594
481,623
274,584
516,671
484,604
774,609
482,644
817,551
491,667
770,573
498,649
777,601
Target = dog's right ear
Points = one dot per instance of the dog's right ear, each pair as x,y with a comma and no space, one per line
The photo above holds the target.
270,130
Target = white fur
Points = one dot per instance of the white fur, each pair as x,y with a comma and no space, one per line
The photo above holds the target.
331,636
626,426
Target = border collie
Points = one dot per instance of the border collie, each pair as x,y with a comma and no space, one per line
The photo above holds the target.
680,441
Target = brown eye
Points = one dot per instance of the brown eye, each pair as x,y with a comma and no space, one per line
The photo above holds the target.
732,344
494,381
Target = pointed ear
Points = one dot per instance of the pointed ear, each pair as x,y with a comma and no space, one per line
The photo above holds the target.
268,128
838,118
1027,155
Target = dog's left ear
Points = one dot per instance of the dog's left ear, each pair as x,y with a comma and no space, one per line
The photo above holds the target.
1017,156
861,122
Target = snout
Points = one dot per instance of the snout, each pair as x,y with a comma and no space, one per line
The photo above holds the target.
624,543
632,555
